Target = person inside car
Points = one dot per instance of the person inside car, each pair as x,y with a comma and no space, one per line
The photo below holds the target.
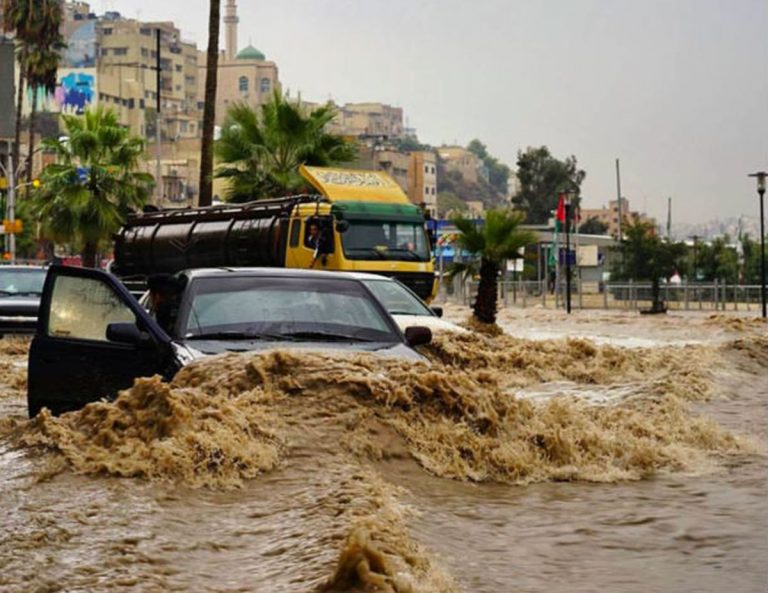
164,298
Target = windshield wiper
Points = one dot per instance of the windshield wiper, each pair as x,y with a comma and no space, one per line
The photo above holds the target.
324,336
234,335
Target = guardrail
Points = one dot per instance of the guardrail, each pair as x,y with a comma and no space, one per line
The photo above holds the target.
688,296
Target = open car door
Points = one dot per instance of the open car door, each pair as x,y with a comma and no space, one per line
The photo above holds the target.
93,339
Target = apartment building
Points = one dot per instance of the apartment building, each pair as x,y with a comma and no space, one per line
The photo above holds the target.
422,180
610,215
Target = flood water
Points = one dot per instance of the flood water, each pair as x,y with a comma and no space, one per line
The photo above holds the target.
363,476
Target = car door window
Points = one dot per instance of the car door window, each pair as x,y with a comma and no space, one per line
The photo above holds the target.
82,308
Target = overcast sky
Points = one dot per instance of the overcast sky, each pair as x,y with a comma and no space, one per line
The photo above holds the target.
676,89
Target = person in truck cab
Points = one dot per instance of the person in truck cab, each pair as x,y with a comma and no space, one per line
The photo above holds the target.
164,299
313,235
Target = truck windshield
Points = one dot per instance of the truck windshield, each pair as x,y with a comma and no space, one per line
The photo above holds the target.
386,240
277,308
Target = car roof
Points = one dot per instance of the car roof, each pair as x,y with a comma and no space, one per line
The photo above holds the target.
22,267
280,273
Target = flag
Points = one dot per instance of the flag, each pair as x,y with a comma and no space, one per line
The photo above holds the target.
559,222
560,216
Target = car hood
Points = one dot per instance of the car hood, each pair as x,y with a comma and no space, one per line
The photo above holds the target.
190,350
434,323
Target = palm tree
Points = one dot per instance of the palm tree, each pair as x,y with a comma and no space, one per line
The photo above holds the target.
260,153
30,21
209,107
497,239
85,196
42,66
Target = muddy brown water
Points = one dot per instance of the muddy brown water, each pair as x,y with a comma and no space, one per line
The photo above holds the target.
345,477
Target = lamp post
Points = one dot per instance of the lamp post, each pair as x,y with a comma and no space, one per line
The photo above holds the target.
761,175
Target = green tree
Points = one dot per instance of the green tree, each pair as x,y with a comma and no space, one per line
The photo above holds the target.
209,104
497,239
260,152
718,260
95,183
542,177
32,22
593,226
498,172
751,262
643,255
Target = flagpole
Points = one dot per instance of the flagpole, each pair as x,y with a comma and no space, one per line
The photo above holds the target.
568,255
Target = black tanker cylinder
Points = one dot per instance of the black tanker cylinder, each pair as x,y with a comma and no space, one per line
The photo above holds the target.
227,236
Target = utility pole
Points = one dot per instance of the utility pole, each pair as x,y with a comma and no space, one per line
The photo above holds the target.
11,211
158,135
618,196
669,219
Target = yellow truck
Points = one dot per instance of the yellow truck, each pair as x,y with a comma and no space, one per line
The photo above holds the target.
359,221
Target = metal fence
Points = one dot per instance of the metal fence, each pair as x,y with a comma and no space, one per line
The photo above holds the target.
702,296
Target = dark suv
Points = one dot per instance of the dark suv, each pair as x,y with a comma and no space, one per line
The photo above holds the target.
94,338
20,290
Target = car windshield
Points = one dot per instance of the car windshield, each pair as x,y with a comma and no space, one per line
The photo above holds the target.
396,298
371,240
22,282
293,309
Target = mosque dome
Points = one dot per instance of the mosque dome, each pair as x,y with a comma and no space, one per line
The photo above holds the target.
250,53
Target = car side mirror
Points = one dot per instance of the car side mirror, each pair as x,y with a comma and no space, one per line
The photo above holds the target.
417,335
342,226
437,311
126,333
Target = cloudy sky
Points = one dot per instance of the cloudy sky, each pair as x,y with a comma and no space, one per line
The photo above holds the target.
676,89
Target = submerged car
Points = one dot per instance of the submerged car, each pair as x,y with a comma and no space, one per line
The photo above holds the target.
406,308
94,338
20,291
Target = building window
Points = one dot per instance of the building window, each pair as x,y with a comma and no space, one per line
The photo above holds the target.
145,31
433,170
144,52
121,51
426,169
178,67
266,85
106,31
243,84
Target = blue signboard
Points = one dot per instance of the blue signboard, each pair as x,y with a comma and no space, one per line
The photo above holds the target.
571,257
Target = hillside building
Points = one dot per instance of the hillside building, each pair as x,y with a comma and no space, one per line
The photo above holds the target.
461,160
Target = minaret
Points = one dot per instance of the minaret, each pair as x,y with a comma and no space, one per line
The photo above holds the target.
230,23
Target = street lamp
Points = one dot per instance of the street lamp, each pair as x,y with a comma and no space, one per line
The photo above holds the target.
761,175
